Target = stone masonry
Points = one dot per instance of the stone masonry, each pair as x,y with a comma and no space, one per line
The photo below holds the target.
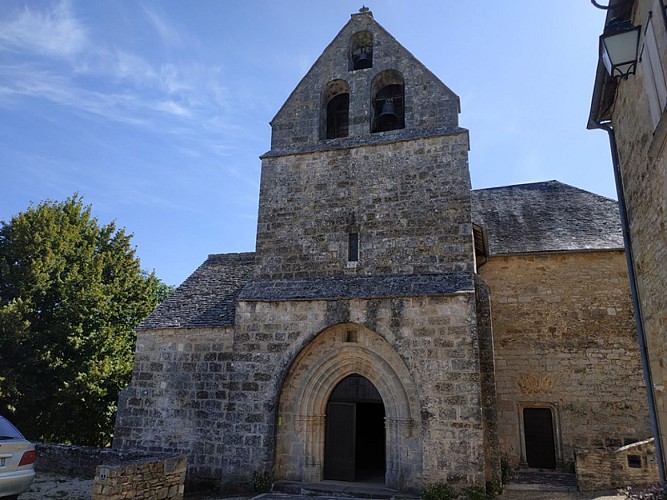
375,262
631,465
641,135
577,356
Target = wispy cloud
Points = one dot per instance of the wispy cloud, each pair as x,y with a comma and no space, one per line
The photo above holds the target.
53,32
124,67
103,79
168,33
173,108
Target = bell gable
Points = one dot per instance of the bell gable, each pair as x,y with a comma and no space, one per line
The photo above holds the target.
363,87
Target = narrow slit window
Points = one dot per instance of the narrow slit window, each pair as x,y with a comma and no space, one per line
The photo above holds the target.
353,247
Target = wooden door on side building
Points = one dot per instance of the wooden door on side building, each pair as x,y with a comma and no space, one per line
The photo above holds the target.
539,438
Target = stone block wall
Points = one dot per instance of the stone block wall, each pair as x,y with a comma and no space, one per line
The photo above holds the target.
435,339
408,201
117,474
79,461
564,339
178,397
155,479
631,465
429,104
643,163
488,381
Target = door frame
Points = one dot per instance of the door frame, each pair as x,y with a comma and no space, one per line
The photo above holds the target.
328,467
555,423
359,453
327,359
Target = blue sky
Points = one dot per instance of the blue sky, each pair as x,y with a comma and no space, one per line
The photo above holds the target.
156,111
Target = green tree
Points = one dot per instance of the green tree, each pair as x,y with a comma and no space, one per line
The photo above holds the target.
71,293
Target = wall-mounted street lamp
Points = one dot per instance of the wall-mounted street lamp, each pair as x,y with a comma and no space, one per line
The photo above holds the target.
619,46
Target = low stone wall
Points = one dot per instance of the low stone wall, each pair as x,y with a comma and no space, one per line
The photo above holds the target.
631,465
117,474
149,478
79,461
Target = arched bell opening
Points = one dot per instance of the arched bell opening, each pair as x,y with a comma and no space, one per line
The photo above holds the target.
338,113
388,96
354,445
335,120
361,50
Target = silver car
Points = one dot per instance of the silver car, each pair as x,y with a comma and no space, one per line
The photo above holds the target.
17,461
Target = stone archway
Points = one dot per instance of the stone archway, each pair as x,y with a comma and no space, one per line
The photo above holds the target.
336,353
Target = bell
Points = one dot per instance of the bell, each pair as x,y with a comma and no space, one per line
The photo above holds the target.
363,60
387,119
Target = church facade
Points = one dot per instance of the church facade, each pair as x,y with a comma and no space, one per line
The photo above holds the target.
393,325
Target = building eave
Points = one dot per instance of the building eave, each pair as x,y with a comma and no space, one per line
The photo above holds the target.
604,88
604,94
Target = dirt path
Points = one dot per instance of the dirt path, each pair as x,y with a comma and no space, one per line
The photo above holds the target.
555,495
49,486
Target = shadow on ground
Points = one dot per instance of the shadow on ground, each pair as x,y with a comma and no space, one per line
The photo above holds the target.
50,486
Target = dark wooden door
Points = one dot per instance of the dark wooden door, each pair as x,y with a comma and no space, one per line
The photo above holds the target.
539,438
339,443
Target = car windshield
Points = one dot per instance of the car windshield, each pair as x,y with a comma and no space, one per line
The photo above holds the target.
8,431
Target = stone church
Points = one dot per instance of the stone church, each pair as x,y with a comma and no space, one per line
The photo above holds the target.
393,325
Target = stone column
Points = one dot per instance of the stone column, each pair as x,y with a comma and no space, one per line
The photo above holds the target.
312,432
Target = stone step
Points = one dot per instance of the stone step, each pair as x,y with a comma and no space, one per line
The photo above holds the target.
542,480
341,489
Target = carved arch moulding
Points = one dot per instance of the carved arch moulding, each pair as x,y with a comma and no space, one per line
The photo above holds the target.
336,353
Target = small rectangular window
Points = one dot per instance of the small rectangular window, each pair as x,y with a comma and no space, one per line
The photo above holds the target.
353,247
635,461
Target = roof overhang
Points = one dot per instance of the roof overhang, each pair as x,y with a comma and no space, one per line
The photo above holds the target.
604,90
481,241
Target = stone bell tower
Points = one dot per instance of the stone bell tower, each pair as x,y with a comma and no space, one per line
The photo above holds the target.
354,344
368,170
365,271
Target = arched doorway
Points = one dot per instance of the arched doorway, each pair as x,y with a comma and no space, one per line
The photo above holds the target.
339,352
354,446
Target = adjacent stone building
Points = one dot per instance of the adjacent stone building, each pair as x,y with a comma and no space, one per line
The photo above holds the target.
393,325
632,110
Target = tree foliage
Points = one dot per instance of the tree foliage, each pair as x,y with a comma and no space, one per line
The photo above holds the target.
71,293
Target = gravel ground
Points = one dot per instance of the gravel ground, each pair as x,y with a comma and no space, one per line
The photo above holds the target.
556,495
508,495
48,486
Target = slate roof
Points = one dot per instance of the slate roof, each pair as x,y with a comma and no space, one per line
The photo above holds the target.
358,287
207,298
525,218
546,217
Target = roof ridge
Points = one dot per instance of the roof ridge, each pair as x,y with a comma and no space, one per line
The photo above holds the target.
521,184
